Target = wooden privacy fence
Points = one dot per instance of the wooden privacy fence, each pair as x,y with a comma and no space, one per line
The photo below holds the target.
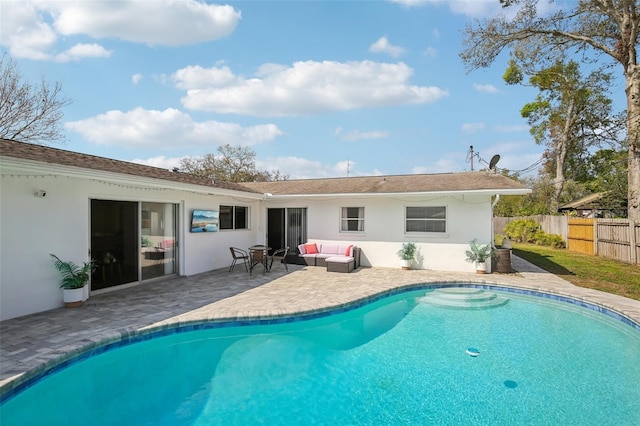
580,235
617,239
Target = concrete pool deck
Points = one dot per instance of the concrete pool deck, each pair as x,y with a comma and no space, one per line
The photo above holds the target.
34,343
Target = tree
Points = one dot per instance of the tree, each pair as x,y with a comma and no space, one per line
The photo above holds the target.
606,28
29,113
607,174
569,115
233,164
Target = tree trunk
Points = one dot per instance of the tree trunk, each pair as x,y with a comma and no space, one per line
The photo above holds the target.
561,148
633,127
558,182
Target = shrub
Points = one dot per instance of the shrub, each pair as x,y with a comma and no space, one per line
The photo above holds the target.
551,240
522,230
528,231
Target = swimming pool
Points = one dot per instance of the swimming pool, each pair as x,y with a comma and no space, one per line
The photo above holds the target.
399,360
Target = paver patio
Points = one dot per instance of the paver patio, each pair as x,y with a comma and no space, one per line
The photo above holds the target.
33,343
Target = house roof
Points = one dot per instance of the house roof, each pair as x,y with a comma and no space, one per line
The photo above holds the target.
440,182
390,184
44,154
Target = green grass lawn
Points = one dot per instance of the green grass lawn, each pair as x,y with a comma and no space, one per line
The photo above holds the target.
584,270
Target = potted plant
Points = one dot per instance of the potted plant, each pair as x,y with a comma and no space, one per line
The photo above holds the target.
73,280
479,253
407,254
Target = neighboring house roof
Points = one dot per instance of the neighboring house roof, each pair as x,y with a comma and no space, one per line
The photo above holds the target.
44,154
440,182
587,202
485,181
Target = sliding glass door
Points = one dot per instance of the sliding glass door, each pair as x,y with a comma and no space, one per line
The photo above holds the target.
158,239
132,241
114,243
286,227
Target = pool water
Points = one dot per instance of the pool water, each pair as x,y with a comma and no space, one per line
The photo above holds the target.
398,360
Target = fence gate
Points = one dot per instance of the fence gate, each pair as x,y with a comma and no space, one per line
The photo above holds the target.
580,235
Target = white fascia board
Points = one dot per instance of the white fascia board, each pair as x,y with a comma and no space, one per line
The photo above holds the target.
22,167
404,194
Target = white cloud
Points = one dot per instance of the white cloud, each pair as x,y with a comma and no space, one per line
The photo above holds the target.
357,135
160,161
471,8
23,31
164,129
136,78
382,45
413,3
305,88
485,88
448,164
472,127
31,29
195,77
172,23
430,51
80,51
475,8
302,168
512,128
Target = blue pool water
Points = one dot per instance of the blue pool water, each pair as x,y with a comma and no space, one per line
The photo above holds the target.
399,360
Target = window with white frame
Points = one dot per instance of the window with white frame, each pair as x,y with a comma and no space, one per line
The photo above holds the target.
352,219
426,219
234,217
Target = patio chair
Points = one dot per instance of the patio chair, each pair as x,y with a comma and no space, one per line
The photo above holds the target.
281,255
239,255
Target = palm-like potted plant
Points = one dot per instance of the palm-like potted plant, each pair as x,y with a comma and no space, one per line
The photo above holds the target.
479,254
73,280
407,254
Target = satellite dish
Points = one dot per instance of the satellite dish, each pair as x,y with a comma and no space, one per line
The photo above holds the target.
493,162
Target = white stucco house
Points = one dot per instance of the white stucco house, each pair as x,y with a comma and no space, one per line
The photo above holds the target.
136,221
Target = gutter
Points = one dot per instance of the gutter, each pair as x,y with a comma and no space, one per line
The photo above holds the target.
10,167
401,194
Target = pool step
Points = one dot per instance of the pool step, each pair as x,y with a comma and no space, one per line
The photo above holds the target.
463,298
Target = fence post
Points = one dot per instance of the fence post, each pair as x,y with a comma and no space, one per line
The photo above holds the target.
633,256
596,222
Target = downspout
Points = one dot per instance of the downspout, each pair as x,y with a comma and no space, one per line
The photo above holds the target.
492,230
493,243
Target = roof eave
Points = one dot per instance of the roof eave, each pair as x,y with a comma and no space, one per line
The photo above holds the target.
24,167
511,191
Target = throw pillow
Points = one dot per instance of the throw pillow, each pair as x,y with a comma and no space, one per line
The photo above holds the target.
348,252
311,248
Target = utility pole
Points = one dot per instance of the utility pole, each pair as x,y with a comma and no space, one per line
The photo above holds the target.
471,156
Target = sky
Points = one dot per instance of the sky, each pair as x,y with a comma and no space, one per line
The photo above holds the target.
315,88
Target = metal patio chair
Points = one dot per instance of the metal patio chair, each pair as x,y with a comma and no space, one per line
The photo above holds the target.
239,255
281,255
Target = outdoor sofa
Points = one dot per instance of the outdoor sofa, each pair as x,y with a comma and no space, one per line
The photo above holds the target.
335,257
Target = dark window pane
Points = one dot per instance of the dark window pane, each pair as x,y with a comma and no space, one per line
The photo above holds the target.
416,212
226,217
426,219
241,218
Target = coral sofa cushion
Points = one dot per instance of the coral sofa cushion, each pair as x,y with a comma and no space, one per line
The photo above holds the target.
311,248
301,249
348,251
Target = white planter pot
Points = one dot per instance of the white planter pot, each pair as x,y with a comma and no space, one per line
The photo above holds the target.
481,267
73,298
405,264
